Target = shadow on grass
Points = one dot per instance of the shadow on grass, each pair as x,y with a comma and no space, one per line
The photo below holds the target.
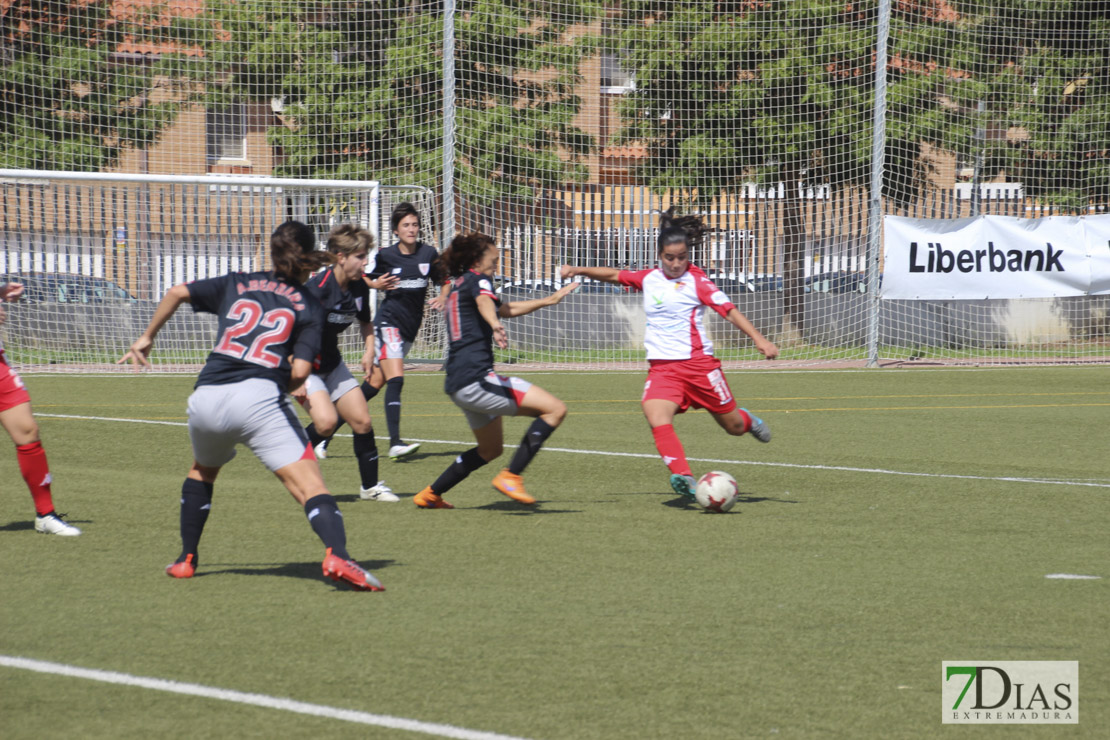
512,507
24,525
683,502
309,571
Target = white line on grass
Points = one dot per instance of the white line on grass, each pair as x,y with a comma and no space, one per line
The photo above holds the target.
1072,577
646,456
258,700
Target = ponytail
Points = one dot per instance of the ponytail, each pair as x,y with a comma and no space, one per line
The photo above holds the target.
293,251
464,252
673,229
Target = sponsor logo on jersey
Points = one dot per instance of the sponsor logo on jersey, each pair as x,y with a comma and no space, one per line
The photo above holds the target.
358,303
719,297
413,283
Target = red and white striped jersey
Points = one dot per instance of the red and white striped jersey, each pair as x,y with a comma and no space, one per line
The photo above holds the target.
674,311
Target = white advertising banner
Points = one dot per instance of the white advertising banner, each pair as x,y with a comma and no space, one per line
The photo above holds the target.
995,257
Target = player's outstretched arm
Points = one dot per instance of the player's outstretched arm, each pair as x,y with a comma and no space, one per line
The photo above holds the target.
741,322
140,348
604,274
520,308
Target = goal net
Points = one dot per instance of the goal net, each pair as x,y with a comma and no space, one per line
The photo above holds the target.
796,129
97,252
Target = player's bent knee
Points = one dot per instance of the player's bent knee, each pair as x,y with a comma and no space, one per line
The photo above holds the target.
555,416
490,453
361,426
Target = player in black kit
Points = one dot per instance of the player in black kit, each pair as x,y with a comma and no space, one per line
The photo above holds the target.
413,264
474,314
331,391
268,336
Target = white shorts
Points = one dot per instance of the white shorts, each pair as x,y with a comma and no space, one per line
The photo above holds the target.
494,395
388,344
338,382
251,412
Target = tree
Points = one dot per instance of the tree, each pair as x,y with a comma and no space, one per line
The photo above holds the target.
68,101
728,93
362,92
1042,70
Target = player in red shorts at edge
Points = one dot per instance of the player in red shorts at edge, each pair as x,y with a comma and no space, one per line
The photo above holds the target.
268,335
683,370
19,423
473,313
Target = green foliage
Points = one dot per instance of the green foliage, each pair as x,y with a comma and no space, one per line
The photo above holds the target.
728,93
67,100
362,85
1045,68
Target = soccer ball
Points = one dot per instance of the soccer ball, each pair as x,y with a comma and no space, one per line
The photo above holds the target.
717,491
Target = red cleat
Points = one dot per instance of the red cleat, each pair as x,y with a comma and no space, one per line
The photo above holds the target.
183,569
351,573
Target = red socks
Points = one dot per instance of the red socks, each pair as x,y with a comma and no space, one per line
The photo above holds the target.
32,464
670,449
747,419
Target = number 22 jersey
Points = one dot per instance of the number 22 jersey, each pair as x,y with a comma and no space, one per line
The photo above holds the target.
263,319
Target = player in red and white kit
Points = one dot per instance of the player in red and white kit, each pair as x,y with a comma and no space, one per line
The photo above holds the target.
19,423
683,372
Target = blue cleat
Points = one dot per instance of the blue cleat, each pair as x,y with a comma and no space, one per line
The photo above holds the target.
759,428
683,485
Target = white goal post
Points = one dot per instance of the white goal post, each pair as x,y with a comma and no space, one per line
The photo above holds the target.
96,252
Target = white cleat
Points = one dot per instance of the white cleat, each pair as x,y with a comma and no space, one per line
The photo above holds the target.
396,452
321,450
380,492
53,524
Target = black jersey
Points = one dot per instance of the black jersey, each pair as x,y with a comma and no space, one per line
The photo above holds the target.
341,308
263,319
470,338
403,306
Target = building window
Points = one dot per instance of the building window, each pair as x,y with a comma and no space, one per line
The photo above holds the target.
227,133
615,77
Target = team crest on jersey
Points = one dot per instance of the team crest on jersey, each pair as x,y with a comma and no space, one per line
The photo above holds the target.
424,267
679,285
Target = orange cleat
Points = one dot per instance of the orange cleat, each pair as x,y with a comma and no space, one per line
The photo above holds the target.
351,573
512,486
183,569
428,500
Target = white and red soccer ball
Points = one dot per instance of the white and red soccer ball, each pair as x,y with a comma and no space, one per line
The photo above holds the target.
717,491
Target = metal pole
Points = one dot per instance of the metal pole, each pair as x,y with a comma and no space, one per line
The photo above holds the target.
875,205
977,167
448,220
